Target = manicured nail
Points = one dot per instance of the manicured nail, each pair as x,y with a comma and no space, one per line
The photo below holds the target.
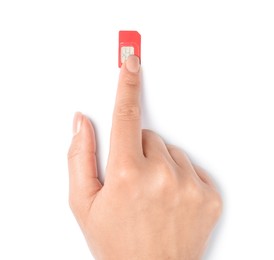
133,64
77,122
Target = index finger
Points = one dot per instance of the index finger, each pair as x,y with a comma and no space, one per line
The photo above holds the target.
126,134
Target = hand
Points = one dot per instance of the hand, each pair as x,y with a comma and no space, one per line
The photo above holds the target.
154,204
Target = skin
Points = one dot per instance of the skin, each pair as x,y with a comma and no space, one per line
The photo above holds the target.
155,203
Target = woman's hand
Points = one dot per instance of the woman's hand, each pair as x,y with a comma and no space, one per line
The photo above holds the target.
154,204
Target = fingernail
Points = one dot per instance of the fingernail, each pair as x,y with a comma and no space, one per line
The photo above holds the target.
133,64
77,122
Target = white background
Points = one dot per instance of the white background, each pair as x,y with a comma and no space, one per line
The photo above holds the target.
208,88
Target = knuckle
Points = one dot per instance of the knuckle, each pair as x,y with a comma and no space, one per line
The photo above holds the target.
127,111
78,150
165,169
216,204
166,178
194,191
127,171
131,81
126,181
73,151
124,168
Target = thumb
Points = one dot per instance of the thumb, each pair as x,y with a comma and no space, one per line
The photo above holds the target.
83,180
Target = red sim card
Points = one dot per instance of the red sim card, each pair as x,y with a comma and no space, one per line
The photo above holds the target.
129,44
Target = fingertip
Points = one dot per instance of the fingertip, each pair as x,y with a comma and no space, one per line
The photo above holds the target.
77,122
83,140
132,64
81,121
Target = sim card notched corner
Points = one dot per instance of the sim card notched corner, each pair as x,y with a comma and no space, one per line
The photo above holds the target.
129,44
